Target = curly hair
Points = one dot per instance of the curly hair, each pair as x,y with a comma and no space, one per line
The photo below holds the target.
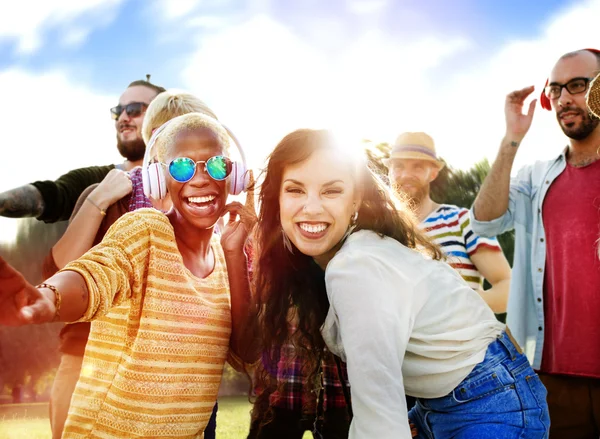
291,283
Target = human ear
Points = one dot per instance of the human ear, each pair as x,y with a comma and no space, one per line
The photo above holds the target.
435,171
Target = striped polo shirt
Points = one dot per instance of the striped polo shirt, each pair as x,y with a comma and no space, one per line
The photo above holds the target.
450,227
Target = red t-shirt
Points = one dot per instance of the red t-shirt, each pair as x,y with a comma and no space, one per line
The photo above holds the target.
571,215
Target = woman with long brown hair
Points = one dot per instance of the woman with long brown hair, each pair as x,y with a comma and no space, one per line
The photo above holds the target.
336,252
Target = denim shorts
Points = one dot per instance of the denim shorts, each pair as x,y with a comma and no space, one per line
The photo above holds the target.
502,398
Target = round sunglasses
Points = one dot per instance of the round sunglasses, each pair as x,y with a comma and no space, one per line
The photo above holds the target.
183,169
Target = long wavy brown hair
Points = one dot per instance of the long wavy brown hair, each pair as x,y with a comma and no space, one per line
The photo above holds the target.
291,283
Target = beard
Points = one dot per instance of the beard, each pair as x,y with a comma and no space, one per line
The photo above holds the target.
132,150
415,196
589,122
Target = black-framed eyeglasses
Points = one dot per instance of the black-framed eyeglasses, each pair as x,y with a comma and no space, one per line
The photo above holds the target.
133,109
574,86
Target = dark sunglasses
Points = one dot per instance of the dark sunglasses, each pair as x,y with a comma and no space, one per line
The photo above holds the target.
133,109
183,169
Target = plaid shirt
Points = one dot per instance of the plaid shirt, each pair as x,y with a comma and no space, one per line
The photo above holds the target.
296,393
137,199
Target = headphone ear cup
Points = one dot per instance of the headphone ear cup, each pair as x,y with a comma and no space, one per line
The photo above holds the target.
238,178
146,182
156,182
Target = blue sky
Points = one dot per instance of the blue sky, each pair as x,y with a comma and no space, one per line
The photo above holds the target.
369,69
125,44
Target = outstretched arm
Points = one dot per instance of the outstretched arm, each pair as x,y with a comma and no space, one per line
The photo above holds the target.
90,286
21,202
493,197
21,303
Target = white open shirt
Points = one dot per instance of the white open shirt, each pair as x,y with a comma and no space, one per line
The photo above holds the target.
404,324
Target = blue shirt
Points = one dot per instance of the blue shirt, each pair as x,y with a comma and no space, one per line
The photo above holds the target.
525,313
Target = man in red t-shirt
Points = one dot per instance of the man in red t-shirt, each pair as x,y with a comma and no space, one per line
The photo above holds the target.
554,207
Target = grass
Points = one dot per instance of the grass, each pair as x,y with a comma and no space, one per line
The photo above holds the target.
233,418
30,421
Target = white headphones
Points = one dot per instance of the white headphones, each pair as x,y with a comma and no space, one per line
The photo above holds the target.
153,176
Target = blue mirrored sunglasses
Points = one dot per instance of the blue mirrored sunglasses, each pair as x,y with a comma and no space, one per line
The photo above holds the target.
183,169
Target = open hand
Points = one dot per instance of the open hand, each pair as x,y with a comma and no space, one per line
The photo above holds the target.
517,123
20,302
112,188
242,219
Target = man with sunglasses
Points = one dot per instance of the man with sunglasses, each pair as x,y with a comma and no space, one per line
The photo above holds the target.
553,207
52,201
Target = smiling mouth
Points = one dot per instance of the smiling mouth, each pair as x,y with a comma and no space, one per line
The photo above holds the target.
201,201
313,230
566,117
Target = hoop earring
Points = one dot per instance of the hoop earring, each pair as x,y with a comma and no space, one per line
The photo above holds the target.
286,242
351,226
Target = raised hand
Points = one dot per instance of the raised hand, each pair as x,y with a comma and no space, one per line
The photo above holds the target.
517,123
242,219
20,302
115,186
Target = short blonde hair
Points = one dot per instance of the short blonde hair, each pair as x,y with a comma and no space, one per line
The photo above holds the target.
191,121
170,104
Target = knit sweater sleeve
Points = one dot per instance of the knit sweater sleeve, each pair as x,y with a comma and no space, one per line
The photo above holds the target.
117,268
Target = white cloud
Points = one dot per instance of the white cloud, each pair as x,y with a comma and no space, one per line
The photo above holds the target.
177,9
52,125
362,7
75,37
264,81
27,21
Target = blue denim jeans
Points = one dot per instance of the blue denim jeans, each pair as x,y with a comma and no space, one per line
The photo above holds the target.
502,398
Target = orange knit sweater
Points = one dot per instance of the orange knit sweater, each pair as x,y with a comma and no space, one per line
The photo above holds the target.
153,363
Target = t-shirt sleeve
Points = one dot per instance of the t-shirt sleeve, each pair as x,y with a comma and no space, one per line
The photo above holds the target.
61,195
374,330
115,269
473,241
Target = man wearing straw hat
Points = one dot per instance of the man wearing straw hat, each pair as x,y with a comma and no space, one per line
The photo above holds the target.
413,165
554,208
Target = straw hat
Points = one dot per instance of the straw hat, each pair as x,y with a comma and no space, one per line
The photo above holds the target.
593,97
415,146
